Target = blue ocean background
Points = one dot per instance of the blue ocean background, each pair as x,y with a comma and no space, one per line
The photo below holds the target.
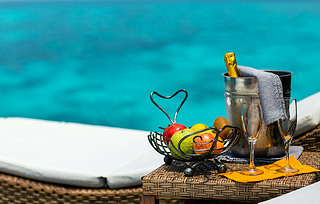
96,62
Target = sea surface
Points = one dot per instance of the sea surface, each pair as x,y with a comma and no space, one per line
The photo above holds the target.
96,62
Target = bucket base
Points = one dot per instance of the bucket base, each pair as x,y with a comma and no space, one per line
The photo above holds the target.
269,153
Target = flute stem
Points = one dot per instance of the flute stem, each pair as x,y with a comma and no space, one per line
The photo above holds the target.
287,146
251,165
287,168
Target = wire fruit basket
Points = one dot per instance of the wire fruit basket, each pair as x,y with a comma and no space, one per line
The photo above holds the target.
206,152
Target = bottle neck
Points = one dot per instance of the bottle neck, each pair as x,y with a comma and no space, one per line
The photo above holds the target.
231,64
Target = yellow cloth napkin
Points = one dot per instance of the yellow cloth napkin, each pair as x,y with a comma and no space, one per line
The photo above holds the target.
270,171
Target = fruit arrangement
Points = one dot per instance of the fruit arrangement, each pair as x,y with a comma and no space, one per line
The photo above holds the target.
198,143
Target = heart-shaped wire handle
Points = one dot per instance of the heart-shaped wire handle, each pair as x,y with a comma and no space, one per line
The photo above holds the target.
168,97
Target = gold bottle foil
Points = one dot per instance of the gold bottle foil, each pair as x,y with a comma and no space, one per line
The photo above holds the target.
231,64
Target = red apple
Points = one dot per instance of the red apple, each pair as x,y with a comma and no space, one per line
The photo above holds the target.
170,130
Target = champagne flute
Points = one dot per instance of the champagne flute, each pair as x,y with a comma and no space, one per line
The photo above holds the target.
251,119
287,127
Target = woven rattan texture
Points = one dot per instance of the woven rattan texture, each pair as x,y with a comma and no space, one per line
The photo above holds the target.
309,141
168,181
19,190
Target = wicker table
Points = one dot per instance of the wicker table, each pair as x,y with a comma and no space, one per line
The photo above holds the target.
169,182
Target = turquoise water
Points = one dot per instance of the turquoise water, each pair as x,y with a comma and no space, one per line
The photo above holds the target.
97,62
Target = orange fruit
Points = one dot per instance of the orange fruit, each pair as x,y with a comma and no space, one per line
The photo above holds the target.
219,145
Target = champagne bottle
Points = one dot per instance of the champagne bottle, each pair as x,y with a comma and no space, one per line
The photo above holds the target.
231,63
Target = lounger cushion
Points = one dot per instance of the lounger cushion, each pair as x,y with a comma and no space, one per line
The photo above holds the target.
75,154
308,113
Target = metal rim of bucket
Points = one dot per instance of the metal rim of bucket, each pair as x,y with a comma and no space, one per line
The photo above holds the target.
280,73
285,73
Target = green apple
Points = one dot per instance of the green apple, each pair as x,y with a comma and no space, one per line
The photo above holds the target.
186,145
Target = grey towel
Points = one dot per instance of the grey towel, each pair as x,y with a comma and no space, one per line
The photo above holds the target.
270,90
296,151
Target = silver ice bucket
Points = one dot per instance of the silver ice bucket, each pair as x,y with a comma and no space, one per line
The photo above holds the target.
237,91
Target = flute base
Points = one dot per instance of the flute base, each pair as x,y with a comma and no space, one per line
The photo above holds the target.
251,172
287,170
